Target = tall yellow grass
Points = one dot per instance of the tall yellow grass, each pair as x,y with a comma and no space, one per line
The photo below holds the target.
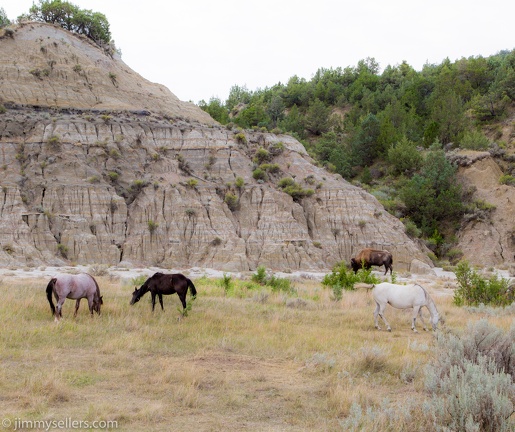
254,360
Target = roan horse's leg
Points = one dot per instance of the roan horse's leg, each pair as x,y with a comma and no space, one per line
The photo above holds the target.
422,318
77,304
380,312
58,308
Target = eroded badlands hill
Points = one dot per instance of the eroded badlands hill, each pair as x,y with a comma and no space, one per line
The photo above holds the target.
100,168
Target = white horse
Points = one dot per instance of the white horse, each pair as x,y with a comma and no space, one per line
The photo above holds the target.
404,297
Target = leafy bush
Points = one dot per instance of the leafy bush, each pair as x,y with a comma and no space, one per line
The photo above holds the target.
343,278
277,284
226,283
270,168
259,174
404,157
241,138
63,250
295,190
470,385
475,140
152,226
472,379
239,183
232,201
262,155
473,289
192,183
507,179
4,21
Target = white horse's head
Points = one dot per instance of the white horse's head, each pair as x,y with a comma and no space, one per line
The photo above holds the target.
435,317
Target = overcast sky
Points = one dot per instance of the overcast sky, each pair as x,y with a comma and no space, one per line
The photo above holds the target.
200,48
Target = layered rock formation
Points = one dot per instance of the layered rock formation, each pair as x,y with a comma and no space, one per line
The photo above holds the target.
488,239
100,166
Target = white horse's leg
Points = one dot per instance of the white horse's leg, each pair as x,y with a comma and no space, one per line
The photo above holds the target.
416,311
381,314
376,313
422,318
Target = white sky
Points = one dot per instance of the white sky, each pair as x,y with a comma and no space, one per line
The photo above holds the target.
200,48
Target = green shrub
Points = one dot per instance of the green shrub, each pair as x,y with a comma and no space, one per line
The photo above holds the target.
190,212
270,168
239,183
232,201
262,155
192,183
217,241
260,275
240,137
507,179
411,228
475,140
226,283
54,142
342,278
276,149
277,284
63,250
138,280
113,176
474,290
259,174
152,226
472,379
404,157
295,190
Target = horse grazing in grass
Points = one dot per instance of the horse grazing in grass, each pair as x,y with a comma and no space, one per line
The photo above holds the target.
74,287
404,297
160,283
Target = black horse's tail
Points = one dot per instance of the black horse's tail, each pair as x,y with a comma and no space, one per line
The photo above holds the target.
49,289
192,288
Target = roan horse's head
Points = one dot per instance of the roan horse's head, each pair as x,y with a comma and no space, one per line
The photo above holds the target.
97,302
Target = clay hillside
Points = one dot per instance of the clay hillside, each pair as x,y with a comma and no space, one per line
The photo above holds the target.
100,165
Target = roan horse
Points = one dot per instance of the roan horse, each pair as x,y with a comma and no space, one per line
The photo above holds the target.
403,297
75,287
160,283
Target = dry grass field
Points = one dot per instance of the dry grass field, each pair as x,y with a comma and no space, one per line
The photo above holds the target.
253,360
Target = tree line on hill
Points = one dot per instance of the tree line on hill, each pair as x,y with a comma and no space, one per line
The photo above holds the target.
94,25
389,130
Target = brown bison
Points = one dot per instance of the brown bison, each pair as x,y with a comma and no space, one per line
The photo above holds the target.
372,257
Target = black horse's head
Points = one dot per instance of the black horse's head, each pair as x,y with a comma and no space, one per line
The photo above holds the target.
138,293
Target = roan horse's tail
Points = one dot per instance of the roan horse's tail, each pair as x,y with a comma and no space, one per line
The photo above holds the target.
49,289
192,288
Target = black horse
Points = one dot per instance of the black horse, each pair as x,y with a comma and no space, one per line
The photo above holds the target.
160,284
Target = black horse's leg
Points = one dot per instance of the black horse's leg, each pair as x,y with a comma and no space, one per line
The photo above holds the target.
183,299
77,304
161,301
153,300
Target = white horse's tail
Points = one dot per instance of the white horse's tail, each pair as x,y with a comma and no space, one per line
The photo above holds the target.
361,285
